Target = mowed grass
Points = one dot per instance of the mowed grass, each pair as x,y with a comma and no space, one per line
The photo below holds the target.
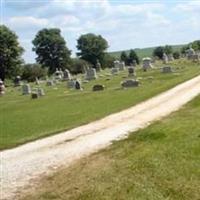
23,119
159,162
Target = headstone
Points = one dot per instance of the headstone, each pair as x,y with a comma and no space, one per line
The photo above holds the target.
190,53
165,58
66,75
50,83
121,66
58,75
26,89
2,88
196,57
77,85
134,63
130,83
34,95
166,69
98,66
91,74
114,71
116,64
71,83
17,81
170,57
37,82
40,92
131,71
146,63
98,87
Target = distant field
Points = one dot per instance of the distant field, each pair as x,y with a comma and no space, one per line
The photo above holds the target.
23,119
157,163
144,52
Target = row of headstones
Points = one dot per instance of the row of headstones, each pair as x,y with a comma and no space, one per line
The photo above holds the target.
192,55
35,93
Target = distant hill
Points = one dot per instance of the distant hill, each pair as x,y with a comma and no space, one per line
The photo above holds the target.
145,52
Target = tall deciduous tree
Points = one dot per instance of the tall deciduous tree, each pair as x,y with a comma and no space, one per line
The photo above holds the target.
51,49
168,49
10,53
158,51
133,56
124,57
92,47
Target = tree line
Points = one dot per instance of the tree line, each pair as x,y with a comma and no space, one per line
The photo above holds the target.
52,52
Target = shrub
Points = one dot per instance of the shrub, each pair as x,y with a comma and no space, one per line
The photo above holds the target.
33,71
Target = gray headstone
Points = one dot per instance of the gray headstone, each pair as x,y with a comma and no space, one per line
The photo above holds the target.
2,87
114,71
17,81
77,85
98,87
166,69
98,66
131,71
71,83
91,74
130,83
146,63
26,89
66,75
40,92
50,83
165,58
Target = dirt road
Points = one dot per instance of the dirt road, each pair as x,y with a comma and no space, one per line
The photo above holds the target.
24,163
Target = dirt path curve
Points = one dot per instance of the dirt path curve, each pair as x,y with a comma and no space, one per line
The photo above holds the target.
24,163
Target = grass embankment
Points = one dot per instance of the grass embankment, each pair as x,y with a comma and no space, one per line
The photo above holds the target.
144,52
23,119
156,163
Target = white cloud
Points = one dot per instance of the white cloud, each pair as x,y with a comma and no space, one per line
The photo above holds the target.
25,22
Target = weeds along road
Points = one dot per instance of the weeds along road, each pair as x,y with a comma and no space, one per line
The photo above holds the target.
21,165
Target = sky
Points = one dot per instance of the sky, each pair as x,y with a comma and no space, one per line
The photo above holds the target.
125,24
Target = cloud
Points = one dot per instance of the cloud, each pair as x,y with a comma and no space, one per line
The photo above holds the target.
124,24
26,22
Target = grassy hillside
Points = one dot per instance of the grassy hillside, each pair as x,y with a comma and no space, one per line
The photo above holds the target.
23,119
145,52
157,163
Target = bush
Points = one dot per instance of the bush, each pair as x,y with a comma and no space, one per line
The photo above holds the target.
107,61
176,55
158,52
78,66
33,71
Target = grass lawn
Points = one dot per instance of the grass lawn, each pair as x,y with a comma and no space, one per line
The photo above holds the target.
157,163
23,119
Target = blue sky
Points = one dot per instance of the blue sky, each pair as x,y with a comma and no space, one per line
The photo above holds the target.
124,24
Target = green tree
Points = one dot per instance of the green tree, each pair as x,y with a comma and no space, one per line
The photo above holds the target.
168,49
133,56
158,51
124,57
196,45
108,61
10,53
176,55
51,49
92,48
78,66
33,71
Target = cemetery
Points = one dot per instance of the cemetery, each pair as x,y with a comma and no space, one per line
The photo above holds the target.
99,100
65,98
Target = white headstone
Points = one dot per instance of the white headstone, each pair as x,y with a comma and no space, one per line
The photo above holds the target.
26,89
91,74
